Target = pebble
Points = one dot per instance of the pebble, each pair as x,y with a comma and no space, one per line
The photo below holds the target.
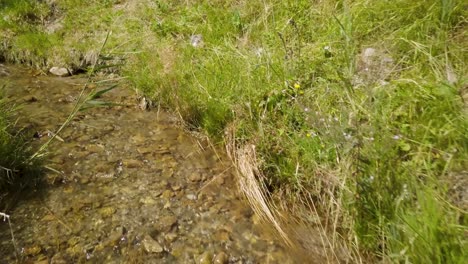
132,163
151,245
32,251
192,197
195,177
166,223
221,258
204,258
107,211
61,72
167,194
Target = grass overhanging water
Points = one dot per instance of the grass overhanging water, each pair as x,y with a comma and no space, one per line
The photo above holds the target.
356,107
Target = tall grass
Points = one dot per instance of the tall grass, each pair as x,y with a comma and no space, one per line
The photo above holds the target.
353,107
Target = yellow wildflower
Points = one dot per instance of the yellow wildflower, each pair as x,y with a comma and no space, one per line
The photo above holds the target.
297,86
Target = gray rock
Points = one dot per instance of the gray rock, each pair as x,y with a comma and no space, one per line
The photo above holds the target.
151,245
196,40
61,72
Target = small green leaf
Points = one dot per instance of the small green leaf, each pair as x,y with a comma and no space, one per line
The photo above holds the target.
101,92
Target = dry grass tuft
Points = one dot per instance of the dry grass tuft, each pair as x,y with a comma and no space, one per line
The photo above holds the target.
298,222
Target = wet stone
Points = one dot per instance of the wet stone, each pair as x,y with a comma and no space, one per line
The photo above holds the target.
221,258
195,177
33,250
191,197
204,258
166,223
132,163
151,245
107,211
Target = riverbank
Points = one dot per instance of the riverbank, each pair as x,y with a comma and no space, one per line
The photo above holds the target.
352,116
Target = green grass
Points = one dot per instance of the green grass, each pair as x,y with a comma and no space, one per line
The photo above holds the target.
373,147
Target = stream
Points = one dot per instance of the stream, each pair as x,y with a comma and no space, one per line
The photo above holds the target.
129,186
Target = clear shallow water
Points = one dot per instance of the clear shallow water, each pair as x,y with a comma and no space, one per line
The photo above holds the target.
133,188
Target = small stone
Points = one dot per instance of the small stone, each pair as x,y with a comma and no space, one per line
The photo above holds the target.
107,211
151,245
167,194
222,235
195,177
30,99
171,237
132,163
32,251
191,197
204,258
221,258
147,200
156,193
196,40
167,223
176,188
167,173
61,72
144,150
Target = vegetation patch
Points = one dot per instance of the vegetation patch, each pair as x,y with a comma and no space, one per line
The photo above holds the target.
352,111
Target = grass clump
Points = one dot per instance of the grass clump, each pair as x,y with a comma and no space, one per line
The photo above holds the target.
355,107
17,170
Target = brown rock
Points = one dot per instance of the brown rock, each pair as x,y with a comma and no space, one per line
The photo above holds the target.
151,245
195,177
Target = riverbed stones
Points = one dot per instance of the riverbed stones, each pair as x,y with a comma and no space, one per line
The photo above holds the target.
91,208
151,245
59,71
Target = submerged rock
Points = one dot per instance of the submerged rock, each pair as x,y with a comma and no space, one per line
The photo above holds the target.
151,245
61,72
204,258
221,258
